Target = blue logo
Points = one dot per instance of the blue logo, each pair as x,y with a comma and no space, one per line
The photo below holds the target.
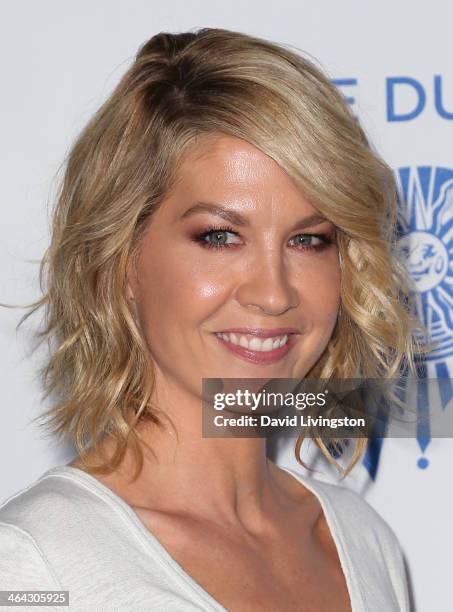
406,97
425,228
425,245
394,84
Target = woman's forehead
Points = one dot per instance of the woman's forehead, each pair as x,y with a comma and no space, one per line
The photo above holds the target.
230,171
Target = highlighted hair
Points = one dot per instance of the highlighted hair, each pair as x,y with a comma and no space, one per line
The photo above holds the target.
180,88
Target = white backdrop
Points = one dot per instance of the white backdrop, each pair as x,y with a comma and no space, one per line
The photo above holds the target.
59,60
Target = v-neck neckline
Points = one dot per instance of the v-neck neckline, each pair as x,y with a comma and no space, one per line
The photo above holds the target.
149,540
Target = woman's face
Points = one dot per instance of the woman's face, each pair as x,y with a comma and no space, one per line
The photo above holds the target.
233,248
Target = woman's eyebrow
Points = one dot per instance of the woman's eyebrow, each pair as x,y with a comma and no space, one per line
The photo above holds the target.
237,219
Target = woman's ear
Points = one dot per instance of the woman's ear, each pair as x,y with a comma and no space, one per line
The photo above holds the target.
131,280
129,293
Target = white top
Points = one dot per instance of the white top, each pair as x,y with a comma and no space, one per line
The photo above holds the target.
68,531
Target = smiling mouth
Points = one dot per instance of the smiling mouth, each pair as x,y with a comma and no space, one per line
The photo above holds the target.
256,349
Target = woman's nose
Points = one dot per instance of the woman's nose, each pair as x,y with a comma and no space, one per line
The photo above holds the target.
265,283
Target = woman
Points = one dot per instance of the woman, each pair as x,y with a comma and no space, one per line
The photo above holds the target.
222,195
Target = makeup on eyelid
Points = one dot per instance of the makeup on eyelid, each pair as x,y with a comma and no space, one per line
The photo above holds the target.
326,239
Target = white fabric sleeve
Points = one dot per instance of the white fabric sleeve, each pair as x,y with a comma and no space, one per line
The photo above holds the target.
23,567
399,574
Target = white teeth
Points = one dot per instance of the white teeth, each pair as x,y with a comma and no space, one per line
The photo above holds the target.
242,342
255,343
268,344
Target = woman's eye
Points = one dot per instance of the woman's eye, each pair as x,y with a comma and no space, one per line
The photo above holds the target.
224,238
220,238
308,240
217,238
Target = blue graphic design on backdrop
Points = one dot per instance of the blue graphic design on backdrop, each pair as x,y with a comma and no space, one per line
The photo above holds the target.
425,230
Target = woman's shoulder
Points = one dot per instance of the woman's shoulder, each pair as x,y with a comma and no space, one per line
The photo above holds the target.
22,563
355,511
52,515
30,519
54,494
66,531
353,518
44,525
370,548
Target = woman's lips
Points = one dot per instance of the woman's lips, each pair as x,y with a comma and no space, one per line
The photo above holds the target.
260,357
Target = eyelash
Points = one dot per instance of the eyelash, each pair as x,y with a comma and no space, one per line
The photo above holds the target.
201,239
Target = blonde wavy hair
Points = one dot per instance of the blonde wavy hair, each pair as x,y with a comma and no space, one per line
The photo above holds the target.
180,88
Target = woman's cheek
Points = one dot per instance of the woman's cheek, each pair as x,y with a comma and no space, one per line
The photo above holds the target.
320,296
210,290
